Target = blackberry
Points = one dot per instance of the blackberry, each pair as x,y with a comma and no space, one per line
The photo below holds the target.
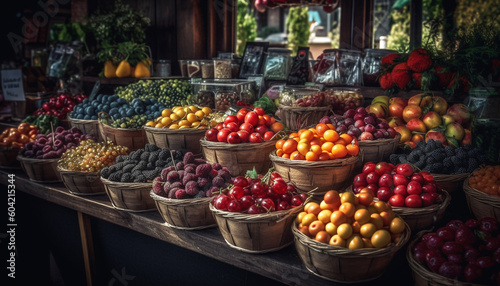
145,156
164,154
461,170
472,165
150,166
160,163
402,159
428,148
121,158
149,174
140,179
141,166
394,158
449,151
153,156
151,147
447,164
420,163
105,172
438,155
119,166
413,157
128,168
126,178
462,154
136,155
455,160
420,145
473,152
430,160
116,176
178,155
437,168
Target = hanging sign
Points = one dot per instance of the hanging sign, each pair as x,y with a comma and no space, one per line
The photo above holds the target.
12,85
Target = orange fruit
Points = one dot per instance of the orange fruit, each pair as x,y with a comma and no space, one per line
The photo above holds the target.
303,148
297,156
323,156
321,128
316,149
316,141
346,137
276,127
293,135
289,146
341,141
339,151
279,152
307,134
331,135
279,144
352,149
311,156
327,146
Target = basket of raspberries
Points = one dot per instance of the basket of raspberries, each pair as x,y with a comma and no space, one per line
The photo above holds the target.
182,193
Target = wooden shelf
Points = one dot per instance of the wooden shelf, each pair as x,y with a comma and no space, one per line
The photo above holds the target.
284,266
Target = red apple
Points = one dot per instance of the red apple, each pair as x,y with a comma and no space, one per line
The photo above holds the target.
404,169
417,125
460,113
467,140
454,130
398,100
379,109
422,100
396,110
435,135
431,119
395,121
439,105
411,111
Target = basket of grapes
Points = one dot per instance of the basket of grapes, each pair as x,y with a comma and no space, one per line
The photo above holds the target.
39,158
301,107
179,128
183,192
255,214
125,131
348,238
482,191
128,182
80,166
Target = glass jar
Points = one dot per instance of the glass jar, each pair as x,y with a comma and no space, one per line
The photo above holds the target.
183,65
162,68
277,64
235,68
371,65
222,68
302,96
193,68
224,97
206,98
327,70
207,68
351,73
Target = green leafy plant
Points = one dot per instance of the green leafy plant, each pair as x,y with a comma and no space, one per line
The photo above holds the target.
70,32
246,30
297,25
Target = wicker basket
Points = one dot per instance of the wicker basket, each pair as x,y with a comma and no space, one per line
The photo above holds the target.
239,158
323,175
133,139
8,158
133,197
90,127
296,118
256,233
82,183
450,183
480,203
189,214
187,139
426,217
377,150
342,264
40,170
425,277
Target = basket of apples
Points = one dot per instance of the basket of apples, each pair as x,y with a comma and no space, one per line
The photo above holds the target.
415,196
255,213
182,193
318,158
243,141
348,238
458,253
377,140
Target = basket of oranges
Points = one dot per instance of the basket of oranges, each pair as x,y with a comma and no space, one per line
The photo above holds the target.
179,128
316,158
348,238
483,193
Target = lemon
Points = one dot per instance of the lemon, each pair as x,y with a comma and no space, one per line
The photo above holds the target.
166,121
180,112
191,117
175,108
166,112
195,124
184,123
150,124
175,117
174,126
159,125
193,108
206,110
200,114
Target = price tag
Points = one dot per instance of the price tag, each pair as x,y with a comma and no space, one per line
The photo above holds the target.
12,85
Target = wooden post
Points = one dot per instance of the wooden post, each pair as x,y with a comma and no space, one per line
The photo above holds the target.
415,24
87,247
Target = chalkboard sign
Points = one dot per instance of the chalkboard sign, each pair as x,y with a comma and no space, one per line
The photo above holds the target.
12,85
253,59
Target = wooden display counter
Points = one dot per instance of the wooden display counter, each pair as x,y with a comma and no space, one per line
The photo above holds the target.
96,215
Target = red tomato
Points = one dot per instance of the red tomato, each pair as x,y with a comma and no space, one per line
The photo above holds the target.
219,126
397,200
244,135
252,118
231,118
262,129
268,120
241,114
247,127
268,135
413,201
233,126
211,134
259,110
222,135
255,138
233,138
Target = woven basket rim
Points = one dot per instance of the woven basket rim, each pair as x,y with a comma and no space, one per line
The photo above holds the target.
377,142
75,120
76,173
480,196
423,272
154,130
255,218
232,147
308,108
351,253
314,164
126,185
179,202
35,160
120,129
450,177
